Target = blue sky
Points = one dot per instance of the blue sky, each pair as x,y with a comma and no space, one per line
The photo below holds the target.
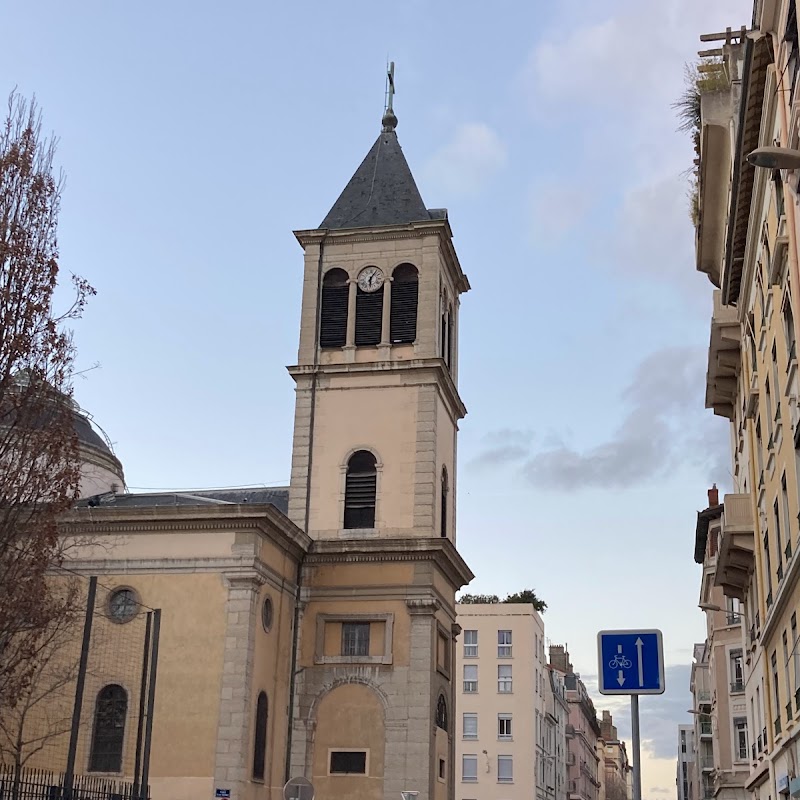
196,137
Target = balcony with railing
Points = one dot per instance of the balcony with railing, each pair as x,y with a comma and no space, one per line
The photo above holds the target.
705,729
706,763
723,358
737,543
737,687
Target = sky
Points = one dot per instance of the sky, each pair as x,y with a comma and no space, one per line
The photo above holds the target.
195,136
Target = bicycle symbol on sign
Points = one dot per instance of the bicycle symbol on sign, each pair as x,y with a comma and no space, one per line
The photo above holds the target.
620,662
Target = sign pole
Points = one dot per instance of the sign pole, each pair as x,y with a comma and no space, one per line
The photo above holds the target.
637,755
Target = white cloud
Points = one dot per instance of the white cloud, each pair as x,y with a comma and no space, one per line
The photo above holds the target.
556,209
463,165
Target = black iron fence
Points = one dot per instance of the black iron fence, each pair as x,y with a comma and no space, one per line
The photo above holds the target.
41,784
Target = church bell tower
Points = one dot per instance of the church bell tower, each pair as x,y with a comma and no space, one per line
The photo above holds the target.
373,484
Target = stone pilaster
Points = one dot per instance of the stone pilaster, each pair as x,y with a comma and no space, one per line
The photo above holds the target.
300,452
231,767
425,478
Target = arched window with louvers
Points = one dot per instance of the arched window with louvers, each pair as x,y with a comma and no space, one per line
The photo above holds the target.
108,735
405,294
360,493
369,309
333,313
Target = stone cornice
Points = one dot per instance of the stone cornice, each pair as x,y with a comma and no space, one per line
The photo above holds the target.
247,569
263,518
434,366
361,551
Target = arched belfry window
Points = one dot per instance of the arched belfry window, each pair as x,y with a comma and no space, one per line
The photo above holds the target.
361,485
441,713
108,735
260,737
333,316
369,316
405,293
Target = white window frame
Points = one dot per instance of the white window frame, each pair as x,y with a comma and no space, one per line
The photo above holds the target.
509,760
504,644
473,759
505,721
469,715
505,683
470,646
470,685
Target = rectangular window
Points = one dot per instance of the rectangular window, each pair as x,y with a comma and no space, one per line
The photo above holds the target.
470,644
470,678
443,652
505,769
442,769
355,638
469,726
504,678
504,726
737,671
504,644
348,762
469,768
740,738
776,691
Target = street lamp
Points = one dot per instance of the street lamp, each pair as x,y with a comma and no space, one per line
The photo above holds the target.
775,158
712,606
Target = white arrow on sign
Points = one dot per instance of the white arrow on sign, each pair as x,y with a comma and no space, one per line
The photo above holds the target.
639,644
620,678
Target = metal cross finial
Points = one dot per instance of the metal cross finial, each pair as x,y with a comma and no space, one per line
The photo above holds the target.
389,86
389,119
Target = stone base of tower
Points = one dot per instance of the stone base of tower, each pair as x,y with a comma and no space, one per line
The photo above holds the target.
386,711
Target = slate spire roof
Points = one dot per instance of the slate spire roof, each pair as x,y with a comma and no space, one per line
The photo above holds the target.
382,191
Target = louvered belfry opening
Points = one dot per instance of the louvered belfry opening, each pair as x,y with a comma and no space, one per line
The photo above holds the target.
360,491
405,292
333,318
369,317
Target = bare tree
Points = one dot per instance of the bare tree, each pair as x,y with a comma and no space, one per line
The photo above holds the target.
39,458
43,709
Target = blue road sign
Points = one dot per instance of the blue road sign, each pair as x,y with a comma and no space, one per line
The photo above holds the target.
630,662
222,793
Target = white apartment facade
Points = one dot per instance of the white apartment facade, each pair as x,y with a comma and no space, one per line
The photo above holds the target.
502,738
684,778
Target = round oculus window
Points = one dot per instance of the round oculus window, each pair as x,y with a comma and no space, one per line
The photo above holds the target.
266,614
123,605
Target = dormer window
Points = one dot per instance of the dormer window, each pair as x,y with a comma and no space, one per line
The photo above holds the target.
333,316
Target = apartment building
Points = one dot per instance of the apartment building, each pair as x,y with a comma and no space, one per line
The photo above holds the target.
700,687
724,758
502,739
556,716
615,771
684,780
746,237
582,731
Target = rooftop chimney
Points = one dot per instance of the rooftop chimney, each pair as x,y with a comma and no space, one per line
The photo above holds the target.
713,496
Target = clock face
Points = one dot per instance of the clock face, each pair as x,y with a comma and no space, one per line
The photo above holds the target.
370,279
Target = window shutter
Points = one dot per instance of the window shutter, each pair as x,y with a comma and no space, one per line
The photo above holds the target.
333,325
404,311
369,317
360,491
